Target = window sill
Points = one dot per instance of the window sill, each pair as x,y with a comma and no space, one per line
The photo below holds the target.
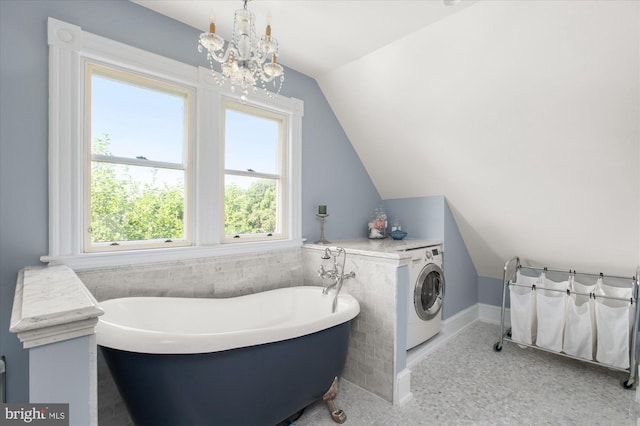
135,257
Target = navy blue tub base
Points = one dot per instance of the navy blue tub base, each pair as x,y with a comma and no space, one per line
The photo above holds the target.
250,386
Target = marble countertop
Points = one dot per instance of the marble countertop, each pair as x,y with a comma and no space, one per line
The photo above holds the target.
384,248
52,304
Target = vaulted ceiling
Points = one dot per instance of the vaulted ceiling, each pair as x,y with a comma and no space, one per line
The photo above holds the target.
316,36
525,114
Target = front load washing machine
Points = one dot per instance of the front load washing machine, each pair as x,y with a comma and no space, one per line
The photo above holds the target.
426,294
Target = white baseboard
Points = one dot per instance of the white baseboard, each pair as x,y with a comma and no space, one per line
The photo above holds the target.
402,389
491,314
450,327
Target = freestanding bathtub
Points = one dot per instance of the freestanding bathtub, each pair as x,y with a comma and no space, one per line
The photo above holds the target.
248,360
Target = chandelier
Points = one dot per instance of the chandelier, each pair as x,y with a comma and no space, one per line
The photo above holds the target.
246,61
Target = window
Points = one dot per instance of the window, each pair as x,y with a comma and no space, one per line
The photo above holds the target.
137,182
254,190
148,153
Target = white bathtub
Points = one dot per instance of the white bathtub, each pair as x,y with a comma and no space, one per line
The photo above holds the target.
249,360
164,325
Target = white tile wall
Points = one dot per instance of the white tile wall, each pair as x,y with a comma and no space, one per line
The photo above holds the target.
217,277
371,347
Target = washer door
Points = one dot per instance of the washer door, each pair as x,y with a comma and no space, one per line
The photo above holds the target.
429,292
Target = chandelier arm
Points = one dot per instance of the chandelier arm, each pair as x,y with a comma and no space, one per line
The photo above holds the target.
265,77
263,57
255,65
223,56
246,61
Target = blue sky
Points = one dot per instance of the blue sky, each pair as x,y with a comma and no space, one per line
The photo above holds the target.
150,123
251,143
139,121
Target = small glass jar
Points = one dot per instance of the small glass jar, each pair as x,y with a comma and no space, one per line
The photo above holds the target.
378,225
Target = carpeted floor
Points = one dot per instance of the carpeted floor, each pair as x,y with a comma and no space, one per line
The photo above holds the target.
465,382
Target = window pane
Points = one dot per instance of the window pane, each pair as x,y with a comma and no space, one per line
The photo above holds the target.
252,142
130,203
138,121
250,205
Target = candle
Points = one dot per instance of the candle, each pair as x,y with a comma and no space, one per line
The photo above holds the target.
322,209
212,26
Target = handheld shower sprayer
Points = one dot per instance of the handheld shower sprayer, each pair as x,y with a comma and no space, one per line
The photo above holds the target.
326,255
332,251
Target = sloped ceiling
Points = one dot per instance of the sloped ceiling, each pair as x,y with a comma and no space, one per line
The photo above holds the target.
316,36
524,114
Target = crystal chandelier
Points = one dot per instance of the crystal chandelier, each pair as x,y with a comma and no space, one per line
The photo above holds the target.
246,61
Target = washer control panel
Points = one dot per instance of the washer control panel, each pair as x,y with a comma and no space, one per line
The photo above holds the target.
434,253
425,254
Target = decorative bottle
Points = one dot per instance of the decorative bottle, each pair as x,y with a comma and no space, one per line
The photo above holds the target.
378,224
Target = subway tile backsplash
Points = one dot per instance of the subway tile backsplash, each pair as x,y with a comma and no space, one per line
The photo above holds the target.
371,347
216,277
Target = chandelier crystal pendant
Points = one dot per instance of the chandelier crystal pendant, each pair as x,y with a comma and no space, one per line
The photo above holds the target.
247,61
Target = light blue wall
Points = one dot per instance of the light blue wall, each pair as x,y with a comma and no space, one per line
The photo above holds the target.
460,273
332,174
420,217
431,217
54,376
490,291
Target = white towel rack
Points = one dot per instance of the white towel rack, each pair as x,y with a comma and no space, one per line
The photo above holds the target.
512,266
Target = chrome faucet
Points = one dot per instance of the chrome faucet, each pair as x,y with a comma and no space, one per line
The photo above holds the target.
335,275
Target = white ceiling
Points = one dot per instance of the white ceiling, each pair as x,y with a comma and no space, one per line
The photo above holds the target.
524,114
316,36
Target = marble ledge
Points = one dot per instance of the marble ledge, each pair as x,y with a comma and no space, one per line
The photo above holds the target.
394,251
50,305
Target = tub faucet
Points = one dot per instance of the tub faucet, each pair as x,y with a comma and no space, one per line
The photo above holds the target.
334,274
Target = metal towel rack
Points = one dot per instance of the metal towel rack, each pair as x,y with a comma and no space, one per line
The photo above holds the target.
512,266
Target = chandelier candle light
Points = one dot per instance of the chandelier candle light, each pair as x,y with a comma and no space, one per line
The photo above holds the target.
246,61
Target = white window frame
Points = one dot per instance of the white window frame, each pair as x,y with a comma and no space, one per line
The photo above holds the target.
89,246
279,177
69,48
